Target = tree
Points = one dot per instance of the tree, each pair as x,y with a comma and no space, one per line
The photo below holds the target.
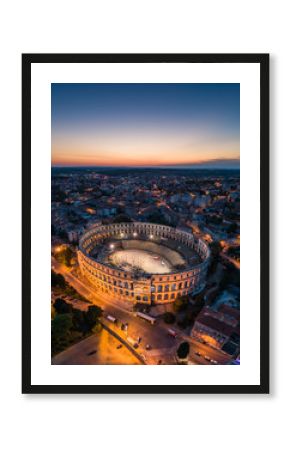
157,217
79,320
233,228
215,248
198,299
180,303
53,312
62,307
231,275
183,350
60,331
92,315
186,318
57,280
61,325
169,317
97,328
122,218
66,256
62,234
190,316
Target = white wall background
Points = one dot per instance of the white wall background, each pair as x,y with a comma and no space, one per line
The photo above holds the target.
76,422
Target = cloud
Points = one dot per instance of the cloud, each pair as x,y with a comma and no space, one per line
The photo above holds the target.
219,163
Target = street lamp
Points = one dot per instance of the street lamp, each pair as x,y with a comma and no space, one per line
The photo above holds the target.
151,236
112,246
134,234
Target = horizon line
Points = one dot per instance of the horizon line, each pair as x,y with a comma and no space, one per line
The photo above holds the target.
198,167
227,163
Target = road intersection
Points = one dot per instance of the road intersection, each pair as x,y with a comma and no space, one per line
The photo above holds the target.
163,346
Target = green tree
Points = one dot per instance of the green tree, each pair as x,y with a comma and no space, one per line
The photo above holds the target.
122,218
183,319
215,249
231,276
157,217
53,312
183,350
62,307
233,228
79,320
169,317
64,256
198,299
60,332
62,234
97,328
190,316
180,304
92,315
67,255
57,280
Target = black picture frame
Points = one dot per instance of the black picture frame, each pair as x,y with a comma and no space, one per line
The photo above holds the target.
263,61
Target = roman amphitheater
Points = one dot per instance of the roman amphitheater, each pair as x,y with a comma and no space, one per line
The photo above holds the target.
143,262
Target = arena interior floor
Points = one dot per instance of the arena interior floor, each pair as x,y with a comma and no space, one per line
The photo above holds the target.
147,261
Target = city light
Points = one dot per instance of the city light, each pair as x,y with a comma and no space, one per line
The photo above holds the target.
141,171
90,211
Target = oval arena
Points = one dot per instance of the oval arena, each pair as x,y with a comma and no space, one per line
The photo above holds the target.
143,262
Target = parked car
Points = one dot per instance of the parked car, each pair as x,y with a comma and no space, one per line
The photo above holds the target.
172,332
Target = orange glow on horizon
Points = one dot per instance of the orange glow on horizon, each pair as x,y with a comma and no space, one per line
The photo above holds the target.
143,159
79,163
142,150
145,124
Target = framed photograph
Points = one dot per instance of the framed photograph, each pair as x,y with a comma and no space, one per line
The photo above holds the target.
145,223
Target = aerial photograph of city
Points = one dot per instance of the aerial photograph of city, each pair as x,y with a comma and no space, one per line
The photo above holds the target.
145,224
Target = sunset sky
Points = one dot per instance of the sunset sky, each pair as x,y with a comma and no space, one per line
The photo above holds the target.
179,125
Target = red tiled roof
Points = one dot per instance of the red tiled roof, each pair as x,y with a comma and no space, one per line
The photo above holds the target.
233,312
214,324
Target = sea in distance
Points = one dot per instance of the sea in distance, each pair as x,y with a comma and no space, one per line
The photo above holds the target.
162,171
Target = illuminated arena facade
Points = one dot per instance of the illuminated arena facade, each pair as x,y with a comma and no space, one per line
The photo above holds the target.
122,260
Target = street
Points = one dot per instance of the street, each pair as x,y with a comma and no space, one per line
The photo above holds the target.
163,346
101,348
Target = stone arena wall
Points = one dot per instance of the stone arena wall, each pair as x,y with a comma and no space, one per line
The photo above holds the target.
149,289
